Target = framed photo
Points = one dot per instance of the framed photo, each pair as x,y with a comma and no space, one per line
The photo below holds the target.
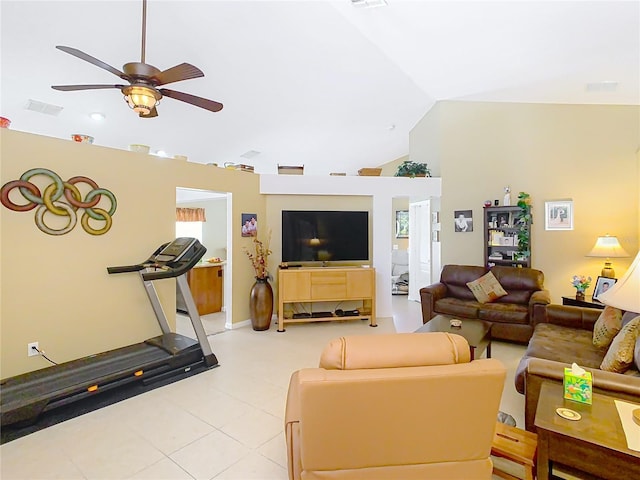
502,220
558,215
402,223
249,225
463,220
602,285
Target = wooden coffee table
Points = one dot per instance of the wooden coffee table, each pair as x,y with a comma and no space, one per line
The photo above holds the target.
476,332
595,444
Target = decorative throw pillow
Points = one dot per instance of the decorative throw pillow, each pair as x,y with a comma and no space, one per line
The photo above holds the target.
619,357
607,326
486,288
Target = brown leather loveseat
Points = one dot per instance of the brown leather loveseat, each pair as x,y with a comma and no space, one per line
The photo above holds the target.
393,406
513,316
565,336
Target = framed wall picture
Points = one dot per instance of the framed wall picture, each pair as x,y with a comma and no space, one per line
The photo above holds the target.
463,220
249,225
402,223
602,285
558,215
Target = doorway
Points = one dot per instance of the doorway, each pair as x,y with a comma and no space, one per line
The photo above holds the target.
210,280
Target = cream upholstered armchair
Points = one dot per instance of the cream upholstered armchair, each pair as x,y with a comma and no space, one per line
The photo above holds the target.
393,406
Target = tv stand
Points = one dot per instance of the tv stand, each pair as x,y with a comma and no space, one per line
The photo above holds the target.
309,285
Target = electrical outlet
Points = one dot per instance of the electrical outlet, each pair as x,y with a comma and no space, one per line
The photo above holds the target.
31,351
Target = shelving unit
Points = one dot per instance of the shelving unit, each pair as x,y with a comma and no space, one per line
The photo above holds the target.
501,237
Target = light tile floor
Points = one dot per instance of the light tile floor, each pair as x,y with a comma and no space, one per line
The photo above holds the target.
225,423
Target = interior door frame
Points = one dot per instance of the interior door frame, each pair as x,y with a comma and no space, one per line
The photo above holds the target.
419,247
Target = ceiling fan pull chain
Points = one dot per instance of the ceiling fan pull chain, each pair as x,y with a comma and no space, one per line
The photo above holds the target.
144,28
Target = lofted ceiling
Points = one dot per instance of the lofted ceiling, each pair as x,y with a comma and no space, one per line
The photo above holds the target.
316,83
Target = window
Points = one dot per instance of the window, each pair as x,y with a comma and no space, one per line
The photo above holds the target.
189,229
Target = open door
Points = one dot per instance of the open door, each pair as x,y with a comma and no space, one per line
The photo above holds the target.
419,247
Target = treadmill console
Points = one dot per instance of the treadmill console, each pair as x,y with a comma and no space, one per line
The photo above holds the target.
169,260
176,249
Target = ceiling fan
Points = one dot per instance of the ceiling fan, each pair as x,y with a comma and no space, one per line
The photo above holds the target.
142,94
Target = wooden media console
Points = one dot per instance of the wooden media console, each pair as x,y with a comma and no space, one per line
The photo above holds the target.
327,284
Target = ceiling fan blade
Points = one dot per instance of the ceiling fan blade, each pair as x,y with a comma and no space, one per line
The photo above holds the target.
152,113
71,88
184,71
192,99
88,58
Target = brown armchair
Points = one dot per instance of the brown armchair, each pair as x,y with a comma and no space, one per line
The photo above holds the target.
392,406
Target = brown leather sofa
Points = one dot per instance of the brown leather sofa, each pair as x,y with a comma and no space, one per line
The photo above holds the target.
513,316
393,406
564,336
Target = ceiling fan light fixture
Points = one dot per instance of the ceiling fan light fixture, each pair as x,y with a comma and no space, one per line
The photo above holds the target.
141,99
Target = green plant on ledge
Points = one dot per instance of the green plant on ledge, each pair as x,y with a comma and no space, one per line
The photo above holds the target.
412,169
522,221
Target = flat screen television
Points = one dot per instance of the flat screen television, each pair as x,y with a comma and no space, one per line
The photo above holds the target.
311,235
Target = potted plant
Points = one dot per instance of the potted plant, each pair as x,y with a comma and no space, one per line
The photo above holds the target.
412,169
523,219
261,297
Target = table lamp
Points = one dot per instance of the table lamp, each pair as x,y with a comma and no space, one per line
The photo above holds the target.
607,247
625,295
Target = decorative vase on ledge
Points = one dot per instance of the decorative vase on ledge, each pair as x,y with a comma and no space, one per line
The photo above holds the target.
261,304
580,296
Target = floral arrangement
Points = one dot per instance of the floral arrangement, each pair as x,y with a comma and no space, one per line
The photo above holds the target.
260,257
581,283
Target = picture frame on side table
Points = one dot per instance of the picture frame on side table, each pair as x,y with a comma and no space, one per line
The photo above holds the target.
602,285
558,215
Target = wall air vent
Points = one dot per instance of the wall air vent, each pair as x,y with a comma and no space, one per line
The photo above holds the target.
42,107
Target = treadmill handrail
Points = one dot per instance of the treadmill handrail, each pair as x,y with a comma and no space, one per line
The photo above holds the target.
159,274
125,269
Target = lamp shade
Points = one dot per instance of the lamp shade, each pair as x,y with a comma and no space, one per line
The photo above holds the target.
625,293
141,98
607,247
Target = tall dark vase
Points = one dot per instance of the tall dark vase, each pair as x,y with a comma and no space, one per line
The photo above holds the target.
261,304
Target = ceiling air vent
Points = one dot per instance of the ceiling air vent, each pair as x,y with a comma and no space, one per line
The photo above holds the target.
250,154
606,86
42,107
368,3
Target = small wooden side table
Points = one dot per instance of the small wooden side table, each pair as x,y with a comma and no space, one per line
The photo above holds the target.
595,444
519,446
588,302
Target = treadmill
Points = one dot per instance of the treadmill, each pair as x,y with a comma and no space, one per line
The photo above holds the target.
25,397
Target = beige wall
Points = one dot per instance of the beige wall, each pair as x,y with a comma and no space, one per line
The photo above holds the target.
55,289
389,168
584,152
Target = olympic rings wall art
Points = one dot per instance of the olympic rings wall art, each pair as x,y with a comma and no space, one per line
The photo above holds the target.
61,198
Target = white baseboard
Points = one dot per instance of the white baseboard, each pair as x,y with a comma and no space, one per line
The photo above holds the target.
245,323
